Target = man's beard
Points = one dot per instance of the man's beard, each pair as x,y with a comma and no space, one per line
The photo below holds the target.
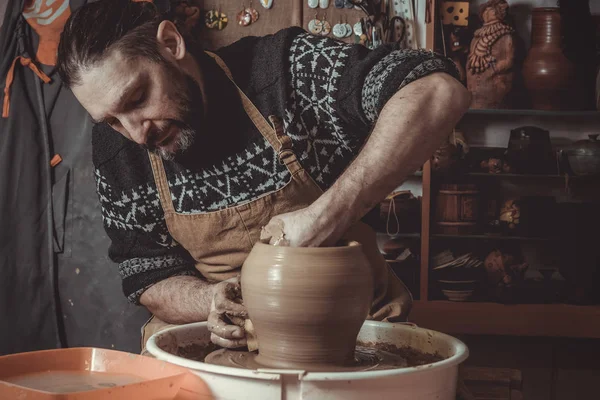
190,110
185,138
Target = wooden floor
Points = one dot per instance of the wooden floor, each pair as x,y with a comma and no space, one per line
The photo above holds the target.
551,368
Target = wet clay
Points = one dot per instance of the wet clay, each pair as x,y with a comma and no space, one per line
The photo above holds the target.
413,357
366,358
307,304
72,381
274,234
195,351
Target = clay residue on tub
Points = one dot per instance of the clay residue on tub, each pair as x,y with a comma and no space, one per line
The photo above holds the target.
369,356
413,357
196,351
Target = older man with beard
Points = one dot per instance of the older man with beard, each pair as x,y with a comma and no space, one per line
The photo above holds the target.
197,152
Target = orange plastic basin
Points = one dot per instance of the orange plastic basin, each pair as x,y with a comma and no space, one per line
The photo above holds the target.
94,374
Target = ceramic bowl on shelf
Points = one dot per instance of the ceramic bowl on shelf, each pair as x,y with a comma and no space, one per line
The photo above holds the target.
583,156
457,290
458,295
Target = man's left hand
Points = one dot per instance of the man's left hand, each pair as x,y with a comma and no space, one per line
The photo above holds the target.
227,315
302,228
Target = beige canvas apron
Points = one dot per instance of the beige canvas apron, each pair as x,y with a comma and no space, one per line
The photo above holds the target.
220,241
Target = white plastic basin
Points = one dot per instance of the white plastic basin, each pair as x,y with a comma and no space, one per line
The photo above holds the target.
428,382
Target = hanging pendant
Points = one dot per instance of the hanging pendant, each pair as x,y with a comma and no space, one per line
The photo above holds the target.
253,13
348,29
324,3
215,19
348,4
266,3
339,30
339,3
315,26
326,29
244,18
313,3
358,30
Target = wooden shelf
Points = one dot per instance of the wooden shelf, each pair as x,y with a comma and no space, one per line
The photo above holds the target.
557,320
534,113
401,235
520,176
492,237
572,178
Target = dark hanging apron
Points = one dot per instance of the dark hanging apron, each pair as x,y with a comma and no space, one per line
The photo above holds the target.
220,241
57,285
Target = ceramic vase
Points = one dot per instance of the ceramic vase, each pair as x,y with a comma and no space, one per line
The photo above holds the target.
307,304
548,75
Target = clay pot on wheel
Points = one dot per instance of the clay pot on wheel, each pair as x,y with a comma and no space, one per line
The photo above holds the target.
547,73
307,304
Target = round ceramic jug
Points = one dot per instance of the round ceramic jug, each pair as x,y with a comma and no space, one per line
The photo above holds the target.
307,305
547,73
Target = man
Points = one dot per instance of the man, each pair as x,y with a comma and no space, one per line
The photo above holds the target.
306,137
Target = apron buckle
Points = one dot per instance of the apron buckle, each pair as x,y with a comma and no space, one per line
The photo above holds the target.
284,154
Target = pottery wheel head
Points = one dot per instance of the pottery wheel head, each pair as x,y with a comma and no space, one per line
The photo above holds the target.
365,359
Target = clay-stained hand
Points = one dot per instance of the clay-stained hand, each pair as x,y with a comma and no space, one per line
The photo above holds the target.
227,315
301,228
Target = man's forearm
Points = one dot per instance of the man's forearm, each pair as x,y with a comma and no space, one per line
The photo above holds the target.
179,299
411,126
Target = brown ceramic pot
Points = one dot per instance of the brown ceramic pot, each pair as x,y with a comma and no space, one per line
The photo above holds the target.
307,304
547,73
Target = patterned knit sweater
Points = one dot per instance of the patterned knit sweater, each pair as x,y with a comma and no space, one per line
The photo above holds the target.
329,95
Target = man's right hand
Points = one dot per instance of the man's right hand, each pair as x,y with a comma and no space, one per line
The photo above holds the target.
227,315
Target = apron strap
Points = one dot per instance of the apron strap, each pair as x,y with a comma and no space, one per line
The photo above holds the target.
162,184
273,133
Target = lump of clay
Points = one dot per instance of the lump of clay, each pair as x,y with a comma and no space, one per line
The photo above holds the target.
273,234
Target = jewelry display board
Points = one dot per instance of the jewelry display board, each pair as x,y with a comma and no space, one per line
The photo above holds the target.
230,20
282,14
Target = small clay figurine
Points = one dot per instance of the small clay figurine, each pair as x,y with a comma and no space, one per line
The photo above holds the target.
493,165
496,166
490,70
504,268
510,214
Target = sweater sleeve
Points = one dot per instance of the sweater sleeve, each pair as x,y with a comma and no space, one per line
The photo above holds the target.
392,70
133,218
336,92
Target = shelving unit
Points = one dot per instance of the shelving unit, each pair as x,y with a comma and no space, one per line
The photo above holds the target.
519,176
495,238
534,113
472,317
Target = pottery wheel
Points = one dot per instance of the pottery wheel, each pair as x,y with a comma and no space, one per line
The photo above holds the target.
366,359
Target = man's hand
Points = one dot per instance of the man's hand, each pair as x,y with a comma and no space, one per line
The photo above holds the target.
227,315
302,228
411,126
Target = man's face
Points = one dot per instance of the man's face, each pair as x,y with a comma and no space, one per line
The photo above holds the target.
157,105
